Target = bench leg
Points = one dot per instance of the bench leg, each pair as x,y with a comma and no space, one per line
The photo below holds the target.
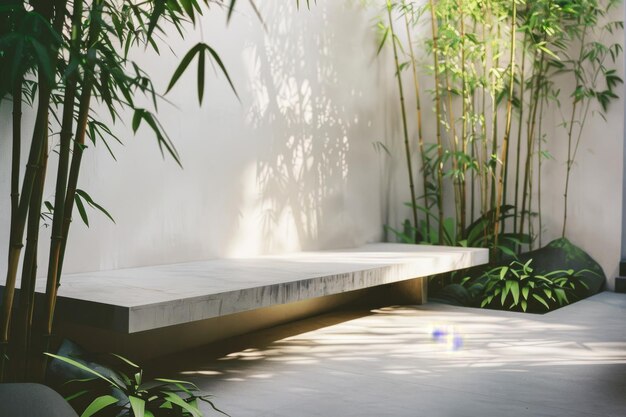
412,291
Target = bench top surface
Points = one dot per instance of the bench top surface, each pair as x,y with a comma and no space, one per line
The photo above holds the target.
151,297
133,287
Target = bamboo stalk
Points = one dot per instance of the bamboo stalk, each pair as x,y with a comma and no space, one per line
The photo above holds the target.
438,120
16,148
507,129
55,266
494,124
67,123
32,168
19,223
418,110
570,132
483,165
531,124
455,143
539,164
405,131
462,185
29,265
519,134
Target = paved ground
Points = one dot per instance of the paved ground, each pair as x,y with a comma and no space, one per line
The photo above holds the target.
432,360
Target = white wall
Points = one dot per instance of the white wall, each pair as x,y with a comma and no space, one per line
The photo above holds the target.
289,167
292,165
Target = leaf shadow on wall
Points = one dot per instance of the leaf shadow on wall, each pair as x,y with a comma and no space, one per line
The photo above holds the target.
302,97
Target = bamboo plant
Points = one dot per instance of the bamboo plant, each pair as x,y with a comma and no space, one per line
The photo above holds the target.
70,55
494,69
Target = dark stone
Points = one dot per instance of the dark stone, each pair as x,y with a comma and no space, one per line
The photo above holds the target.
620,284
32,400
59,372
453,294
561,254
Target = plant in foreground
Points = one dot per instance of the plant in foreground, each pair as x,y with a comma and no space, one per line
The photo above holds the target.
126,394
518,286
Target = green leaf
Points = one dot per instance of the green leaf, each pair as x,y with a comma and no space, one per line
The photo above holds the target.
188,9
231,8
82,367
503,271
77,394
99,404
541,300
157,13
182,67
561,296
506,250
525,292
219,62
43,59
97,206
138,406
515,292
200,49
176,381
81,209
382,41
176,400
134,365
137,118
505,292
524,305
200,77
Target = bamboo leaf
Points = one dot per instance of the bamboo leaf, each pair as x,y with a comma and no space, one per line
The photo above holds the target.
219,62
98,405
97,206
81,209
382,41
182,67
200,77
137,118
231,8
189,9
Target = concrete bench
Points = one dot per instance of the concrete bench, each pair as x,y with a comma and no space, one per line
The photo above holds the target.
169,307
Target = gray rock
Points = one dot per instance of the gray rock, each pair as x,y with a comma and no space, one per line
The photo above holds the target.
32,400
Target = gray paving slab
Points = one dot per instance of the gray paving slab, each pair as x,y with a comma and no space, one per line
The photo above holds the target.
386,362
137,299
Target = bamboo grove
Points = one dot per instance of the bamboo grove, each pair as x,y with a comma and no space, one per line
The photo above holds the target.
60,59
493,70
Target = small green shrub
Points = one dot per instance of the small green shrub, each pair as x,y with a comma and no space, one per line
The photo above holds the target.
518,287
124,393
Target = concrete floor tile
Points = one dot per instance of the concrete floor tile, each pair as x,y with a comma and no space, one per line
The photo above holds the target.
571,362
